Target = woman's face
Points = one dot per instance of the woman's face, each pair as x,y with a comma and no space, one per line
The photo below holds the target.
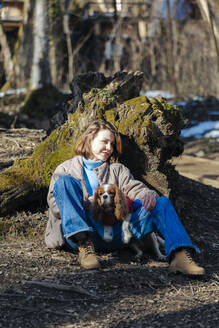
102,145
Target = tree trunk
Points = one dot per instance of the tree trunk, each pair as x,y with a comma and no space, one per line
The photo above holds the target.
40,50
66,28
150,129
40,74
8,63
210,12
171,51
23,50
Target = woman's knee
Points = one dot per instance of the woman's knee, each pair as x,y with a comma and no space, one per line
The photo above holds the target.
66,182
163,201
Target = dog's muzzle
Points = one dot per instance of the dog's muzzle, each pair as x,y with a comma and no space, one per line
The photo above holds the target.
105,199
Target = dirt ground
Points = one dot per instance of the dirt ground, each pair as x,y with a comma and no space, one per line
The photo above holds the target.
47,288
200,161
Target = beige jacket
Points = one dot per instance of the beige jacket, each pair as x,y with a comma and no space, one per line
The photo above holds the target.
106,173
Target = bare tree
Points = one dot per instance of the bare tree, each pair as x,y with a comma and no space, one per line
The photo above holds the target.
210,12
33,63
40,73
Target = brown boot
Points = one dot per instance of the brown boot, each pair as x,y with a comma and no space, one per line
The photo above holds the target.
87,257
183,262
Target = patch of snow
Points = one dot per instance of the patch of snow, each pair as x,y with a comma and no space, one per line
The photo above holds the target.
108,14
179,103
200,129
198,98
12,92
155,93
212,134
214,113
180,9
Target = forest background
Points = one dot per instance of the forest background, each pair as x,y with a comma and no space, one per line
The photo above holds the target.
174,42
44,45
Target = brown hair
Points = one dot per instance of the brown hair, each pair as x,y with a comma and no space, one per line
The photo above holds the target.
83,146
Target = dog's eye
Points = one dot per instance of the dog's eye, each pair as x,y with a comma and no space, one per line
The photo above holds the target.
112,193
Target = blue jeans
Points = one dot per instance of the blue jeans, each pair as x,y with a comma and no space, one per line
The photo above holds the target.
69,198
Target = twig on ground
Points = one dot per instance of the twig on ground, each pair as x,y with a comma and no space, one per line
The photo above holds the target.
31,309
76,289
12,140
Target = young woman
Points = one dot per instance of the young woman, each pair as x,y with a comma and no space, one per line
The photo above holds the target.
72,186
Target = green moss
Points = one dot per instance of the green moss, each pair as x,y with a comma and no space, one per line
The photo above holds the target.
94,91
133,116
106,95
102,97
110,116
39,167
6,87
98,103
173,114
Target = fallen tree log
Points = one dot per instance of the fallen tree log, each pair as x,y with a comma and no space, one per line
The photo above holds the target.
150,129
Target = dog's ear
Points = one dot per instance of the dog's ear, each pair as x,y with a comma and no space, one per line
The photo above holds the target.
96,209
121,206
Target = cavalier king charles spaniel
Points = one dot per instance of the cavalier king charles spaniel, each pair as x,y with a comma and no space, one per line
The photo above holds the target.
111,205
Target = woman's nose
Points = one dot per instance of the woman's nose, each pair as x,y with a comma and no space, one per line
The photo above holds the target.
108,146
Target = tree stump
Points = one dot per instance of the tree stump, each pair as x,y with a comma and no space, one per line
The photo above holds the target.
150,129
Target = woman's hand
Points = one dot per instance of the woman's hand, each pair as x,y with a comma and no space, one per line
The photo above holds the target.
87,202
149,202
91,198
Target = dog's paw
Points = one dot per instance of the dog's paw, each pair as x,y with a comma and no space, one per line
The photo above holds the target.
127,237
126,234
108,238
108,234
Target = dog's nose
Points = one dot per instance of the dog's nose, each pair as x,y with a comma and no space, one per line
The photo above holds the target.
105,196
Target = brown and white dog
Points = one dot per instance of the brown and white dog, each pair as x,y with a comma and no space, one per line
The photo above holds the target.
111,205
